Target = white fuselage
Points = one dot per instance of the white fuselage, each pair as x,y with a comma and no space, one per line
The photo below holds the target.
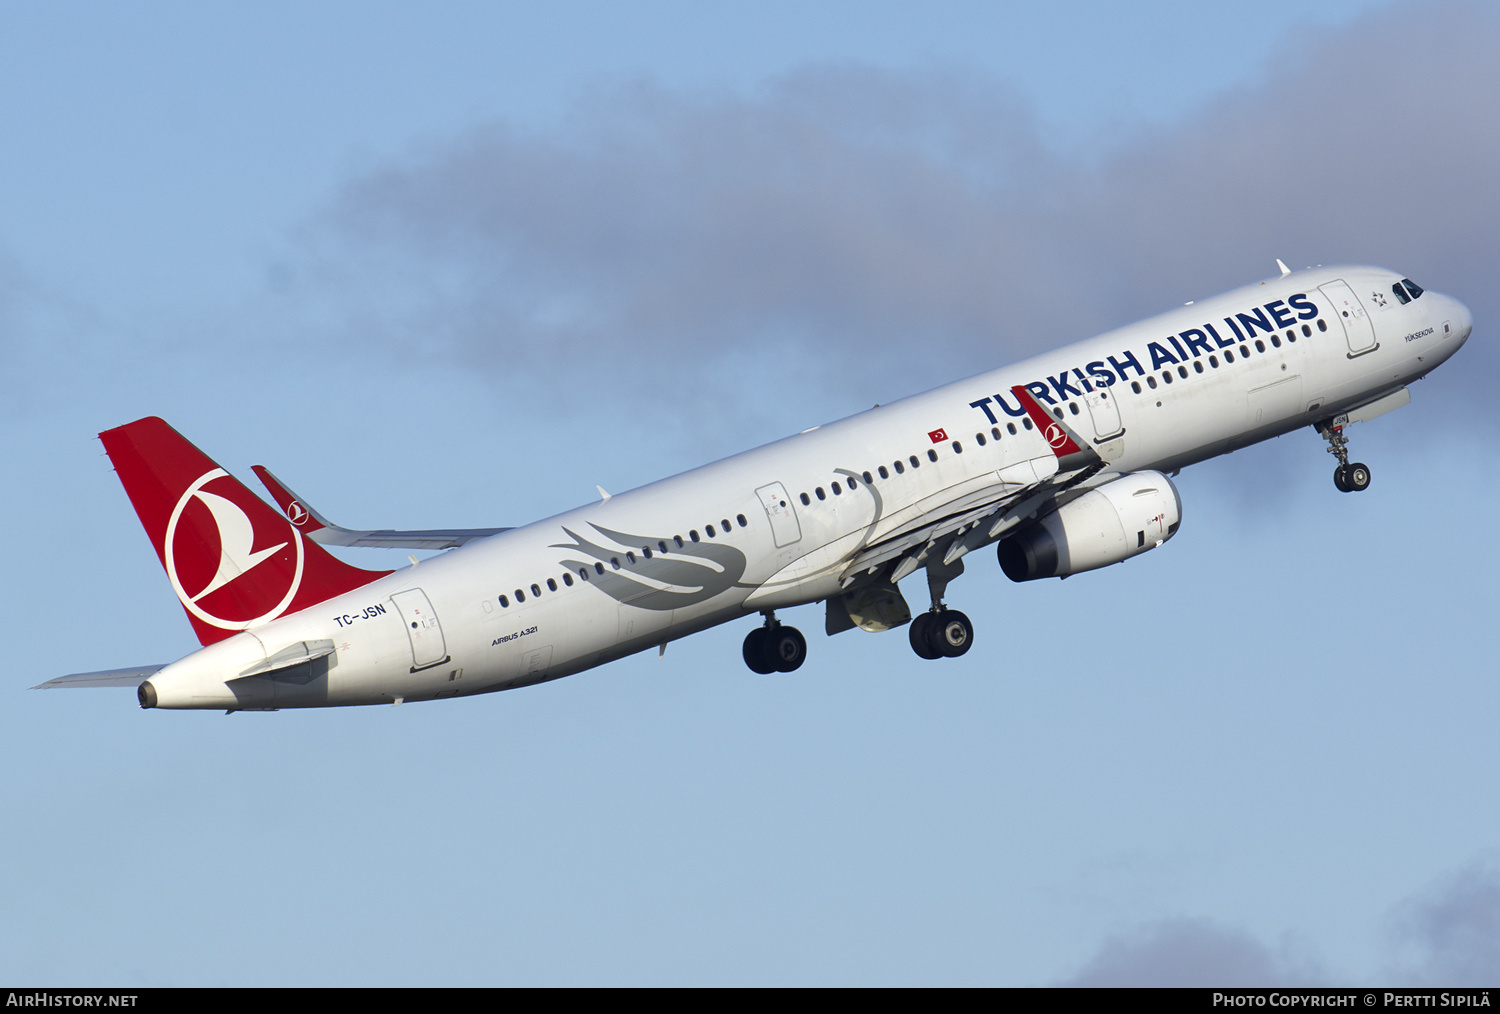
594,584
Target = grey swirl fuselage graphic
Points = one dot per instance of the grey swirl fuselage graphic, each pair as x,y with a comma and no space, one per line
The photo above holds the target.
681,576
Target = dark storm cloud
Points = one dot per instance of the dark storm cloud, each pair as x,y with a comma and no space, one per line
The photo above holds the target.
897,229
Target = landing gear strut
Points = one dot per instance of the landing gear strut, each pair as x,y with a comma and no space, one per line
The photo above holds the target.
774,648
1349,478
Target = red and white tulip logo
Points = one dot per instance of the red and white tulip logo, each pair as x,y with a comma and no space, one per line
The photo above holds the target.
213,547
1055,435
297,513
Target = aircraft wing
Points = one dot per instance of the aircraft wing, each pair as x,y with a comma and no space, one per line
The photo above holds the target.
326,533
979,515
131,677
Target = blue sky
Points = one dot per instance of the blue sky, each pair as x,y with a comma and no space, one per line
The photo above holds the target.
454,265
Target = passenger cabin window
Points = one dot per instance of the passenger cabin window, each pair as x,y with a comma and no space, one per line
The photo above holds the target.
931,454
883,473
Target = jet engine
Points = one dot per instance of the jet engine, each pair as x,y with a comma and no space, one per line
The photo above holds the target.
1108,524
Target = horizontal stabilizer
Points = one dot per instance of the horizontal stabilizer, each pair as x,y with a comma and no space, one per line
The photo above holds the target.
324,532
300,653
131,677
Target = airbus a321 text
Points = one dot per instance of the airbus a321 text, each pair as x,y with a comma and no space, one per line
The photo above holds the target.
1062,460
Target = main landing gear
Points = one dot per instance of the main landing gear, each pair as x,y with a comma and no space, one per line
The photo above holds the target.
774,648
941,633
1349,478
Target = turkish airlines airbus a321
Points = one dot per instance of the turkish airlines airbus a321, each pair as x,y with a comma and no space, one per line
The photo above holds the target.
1061,459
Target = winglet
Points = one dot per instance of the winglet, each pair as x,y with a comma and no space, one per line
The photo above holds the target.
297,510
1071,449
1284,269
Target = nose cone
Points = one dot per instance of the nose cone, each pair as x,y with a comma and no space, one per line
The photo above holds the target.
1463,321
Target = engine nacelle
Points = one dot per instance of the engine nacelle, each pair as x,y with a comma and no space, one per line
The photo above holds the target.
1106,525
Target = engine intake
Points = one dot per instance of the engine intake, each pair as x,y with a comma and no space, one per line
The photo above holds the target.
1108,524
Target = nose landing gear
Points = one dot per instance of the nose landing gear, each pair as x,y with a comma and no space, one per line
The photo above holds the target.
1349,478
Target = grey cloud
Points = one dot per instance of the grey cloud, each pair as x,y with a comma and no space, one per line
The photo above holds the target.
1449,935
889,230
1193,952
849,212
1446,935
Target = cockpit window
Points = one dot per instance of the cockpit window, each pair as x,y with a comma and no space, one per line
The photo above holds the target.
1401,295
1412,287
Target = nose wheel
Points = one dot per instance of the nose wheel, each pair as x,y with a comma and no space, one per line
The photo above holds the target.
774,648
1353,478
1349,478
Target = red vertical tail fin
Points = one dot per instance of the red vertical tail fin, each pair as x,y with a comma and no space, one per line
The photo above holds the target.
233,561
